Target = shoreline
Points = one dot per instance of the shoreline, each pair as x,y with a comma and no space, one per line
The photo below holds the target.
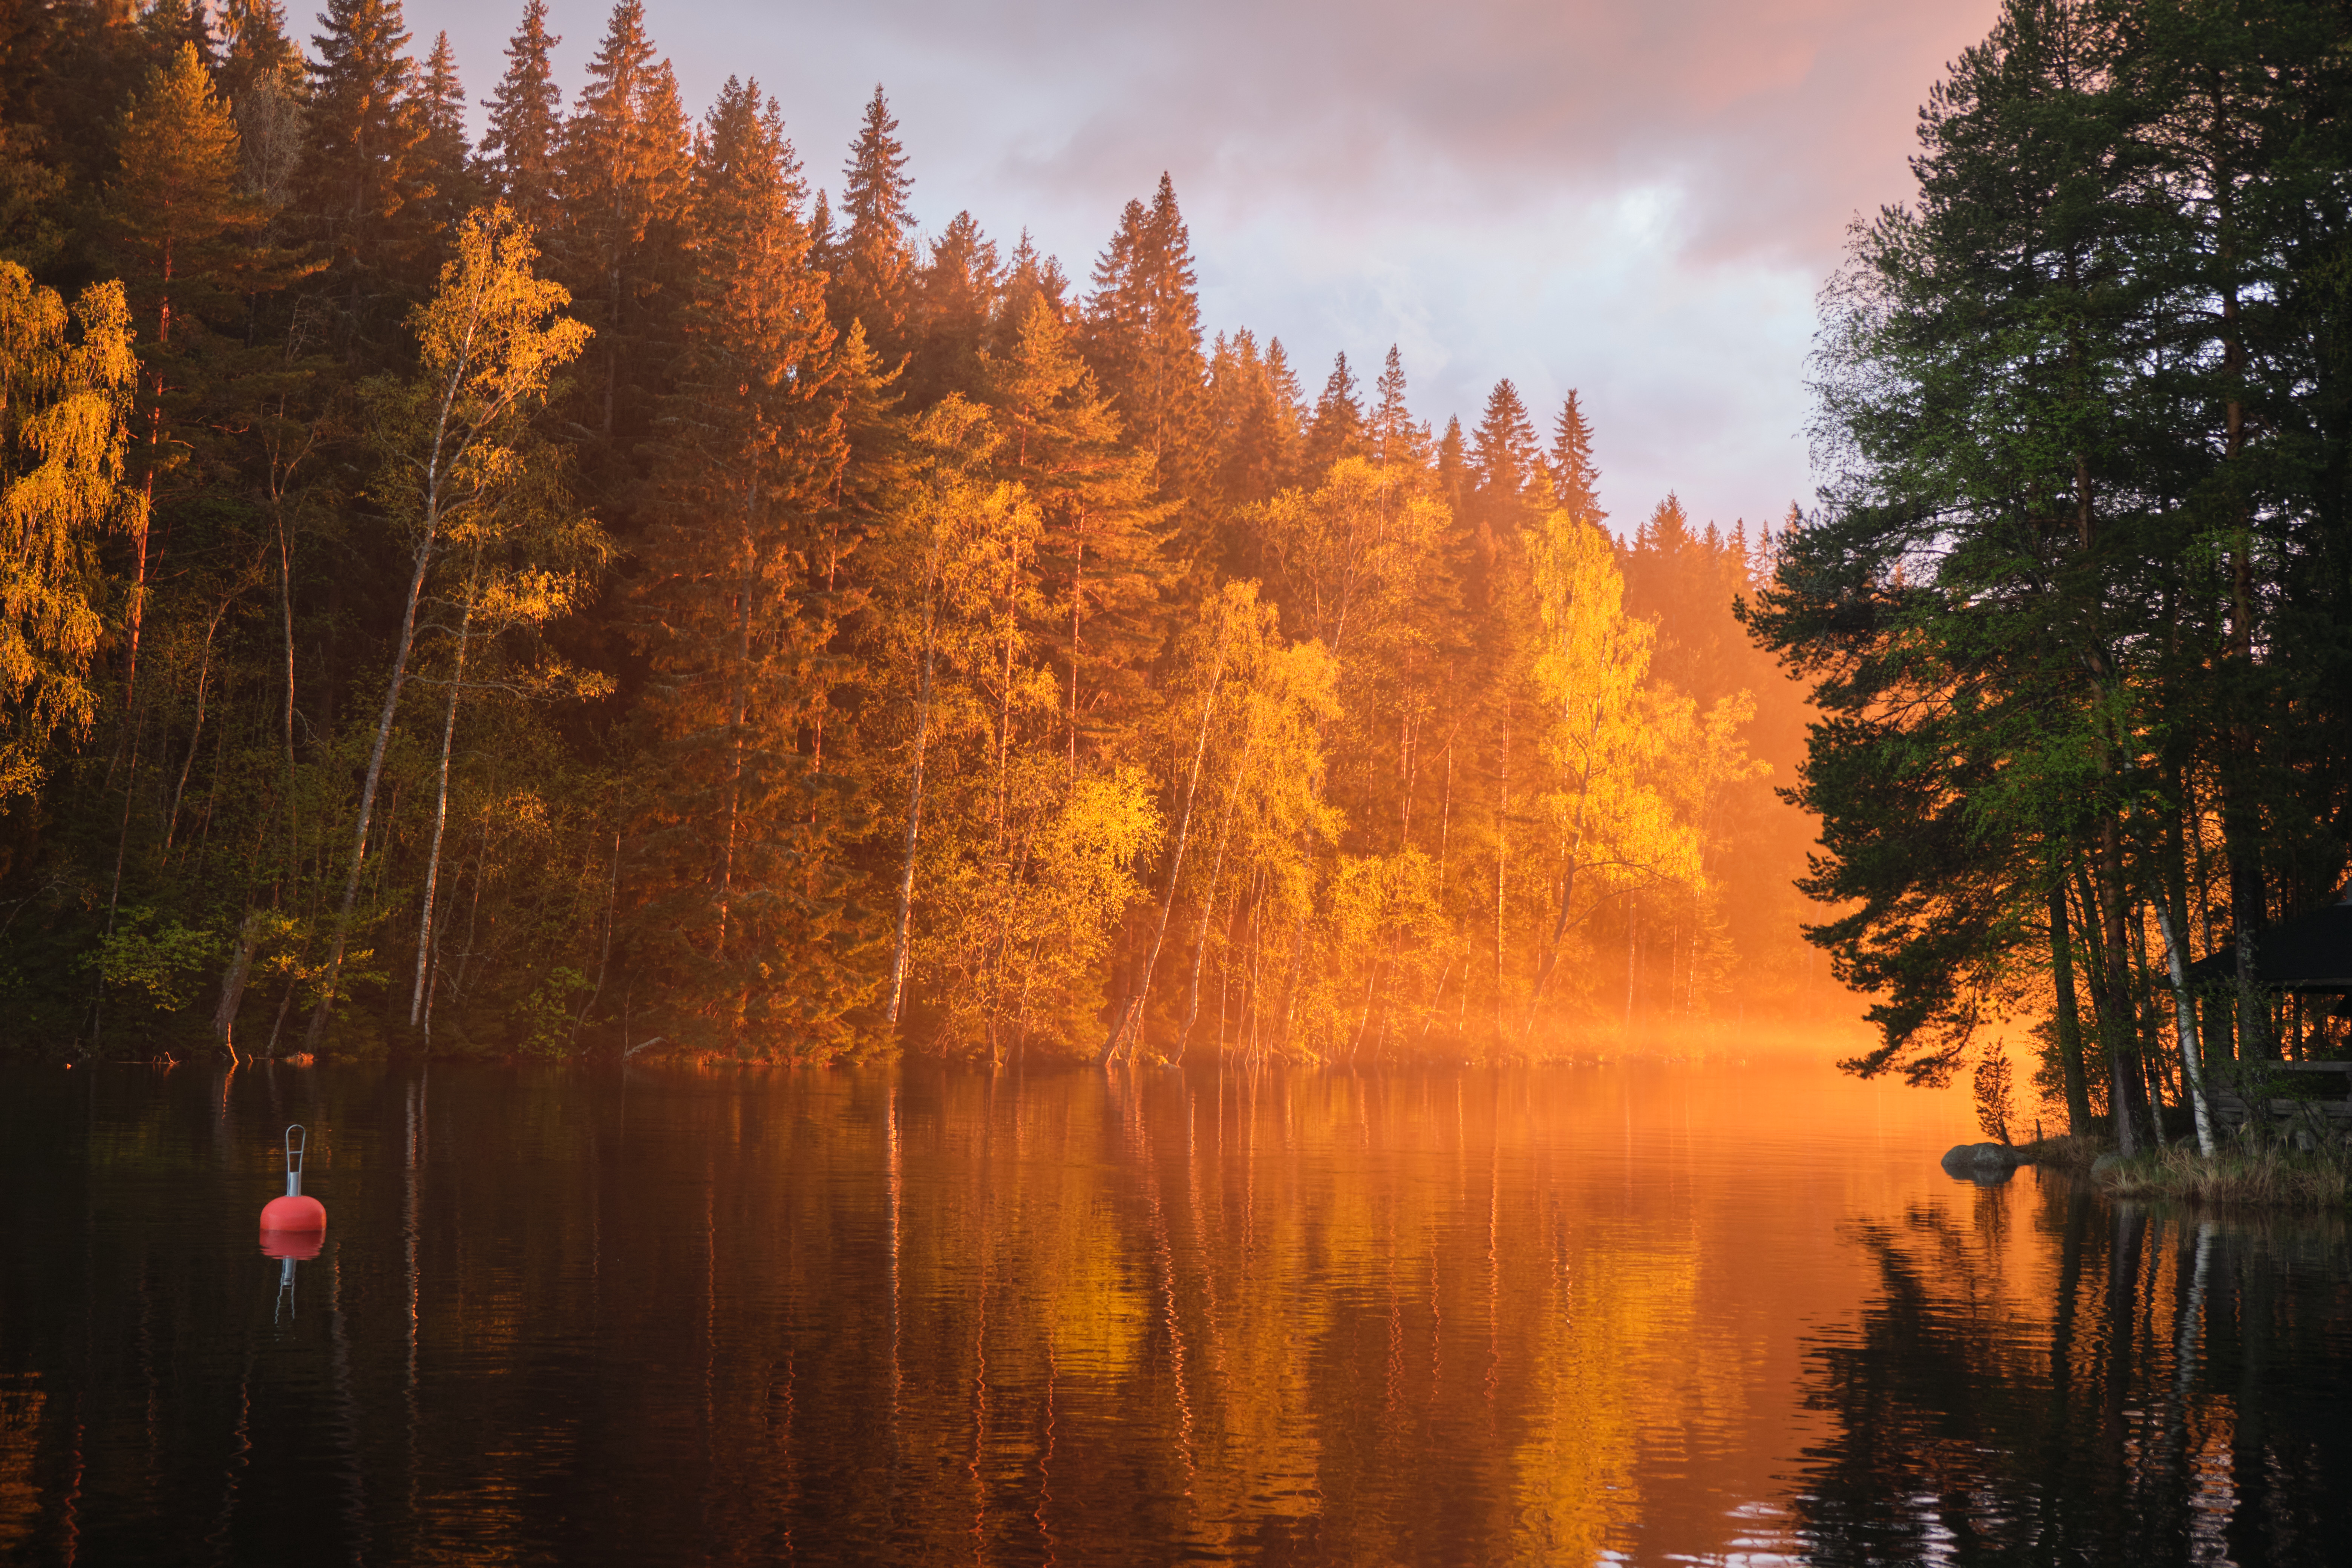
2239,1176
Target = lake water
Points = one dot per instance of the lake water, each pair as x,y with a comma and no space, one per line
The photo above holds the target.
1645,1312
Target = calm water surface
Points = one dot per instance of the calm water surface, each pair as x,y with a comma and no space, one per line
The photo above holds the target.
1635,1313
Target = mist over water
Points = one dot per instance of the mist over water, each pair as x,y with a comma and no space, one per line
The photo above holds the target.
1643,1310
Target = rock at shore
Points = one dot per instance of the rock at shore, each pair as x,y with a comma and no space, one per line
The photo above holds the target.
1988,1164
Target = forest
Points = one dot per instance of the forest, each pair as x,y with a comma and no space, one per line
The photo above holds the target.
594,589
2075,604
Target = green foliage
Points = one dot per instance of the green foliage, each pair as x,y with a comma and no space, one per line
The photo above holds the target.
155,959
2071,593
544,1022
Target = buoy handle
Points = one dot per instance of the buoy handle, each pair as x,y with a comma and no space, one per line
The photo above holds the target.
294,1149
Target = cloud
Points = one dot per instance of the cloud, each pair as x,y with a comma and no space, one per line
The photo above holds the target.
1636,197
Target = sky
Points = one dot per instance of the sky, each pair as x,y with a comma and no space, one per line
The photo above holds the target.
1638,199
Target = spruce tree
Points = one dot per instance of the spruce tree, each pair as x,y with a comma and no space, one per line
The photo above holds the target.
1253,423
262,76
1575,479
31,184
1143,322
1393,435
520,140
1506,462
173,25
1028,275
90,56
1102,555
1337,429
356,189
873,259
450,186
744,914
254,48
956,299
624,167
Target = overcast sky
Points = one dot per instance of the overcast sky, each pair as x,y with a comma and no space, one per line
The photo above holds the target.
1637,199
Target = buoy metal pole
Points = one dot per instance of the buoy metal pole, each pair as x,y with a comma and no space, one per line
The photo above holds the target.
294,1212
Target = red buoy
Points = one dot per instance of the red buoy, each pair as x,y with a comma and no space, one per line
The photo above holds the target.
293,1212
293,1216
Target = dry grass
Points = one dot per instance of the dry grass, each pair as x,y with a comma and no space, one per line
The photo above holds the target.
2063,1152
2239,1176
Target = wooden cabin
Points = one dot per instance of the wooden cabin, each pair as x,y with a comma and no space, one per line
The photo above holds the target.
2319,1094
2309,960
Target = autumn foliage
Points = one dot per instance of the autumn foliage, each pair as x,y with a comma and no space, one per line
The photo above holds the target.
597,589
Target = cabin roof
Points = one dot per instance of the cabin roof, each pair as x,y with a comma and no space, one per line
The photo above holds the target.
2309,952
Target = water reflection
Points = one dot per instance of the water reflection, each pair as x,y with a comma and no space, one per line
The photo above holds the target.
2055,1378
1647,1313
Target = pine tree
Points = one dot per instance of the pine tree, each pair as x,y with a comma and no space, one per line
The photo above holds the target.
744,912
177,225
520,142
1987,366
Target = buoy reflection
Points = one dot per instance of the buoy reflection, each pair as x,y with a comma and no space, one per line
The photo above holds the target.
289,1249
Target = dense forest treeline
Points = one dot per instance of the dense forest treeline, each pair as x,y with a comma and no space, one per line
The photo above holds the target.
2078,599
592,587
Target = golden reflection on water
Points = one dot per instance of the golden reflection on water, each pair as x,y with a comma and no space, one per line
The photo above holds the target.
924,1316
1517,1317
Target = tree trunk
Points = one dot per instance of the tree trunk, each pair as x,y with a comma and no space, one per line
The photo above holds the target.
1209,900
914,815
440,818
286,609
2184,1010
367,791
2069,1020
1567,888
2127,1085
196,730
1502,856
232,996
1175,865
